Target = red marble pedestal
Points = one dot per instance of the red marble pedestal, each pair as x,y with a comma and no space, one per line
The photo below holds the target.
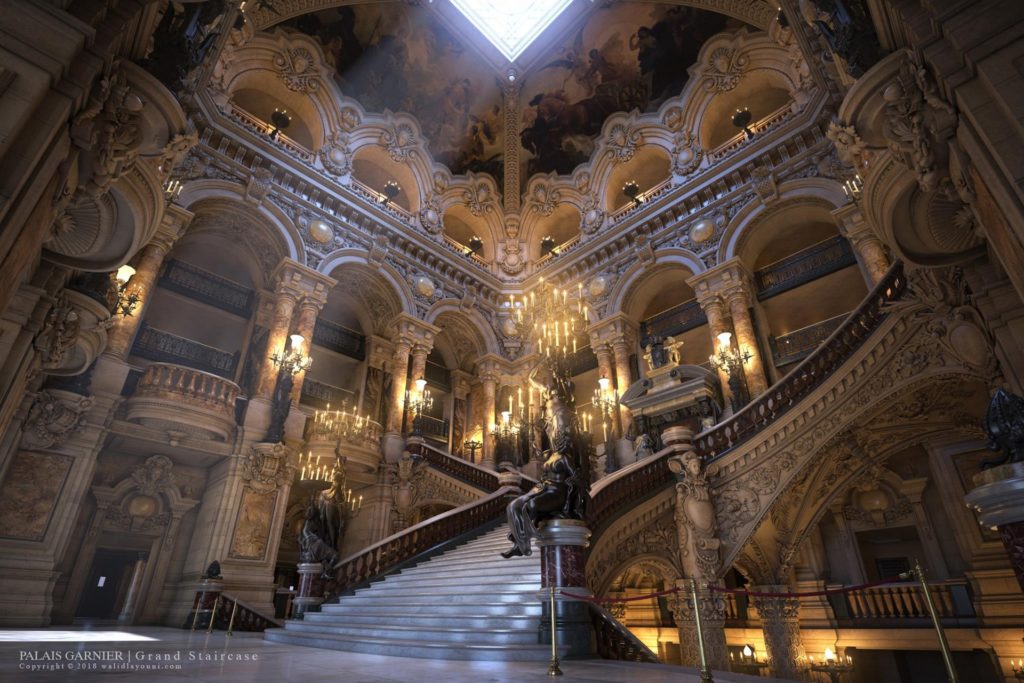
311,589
562,544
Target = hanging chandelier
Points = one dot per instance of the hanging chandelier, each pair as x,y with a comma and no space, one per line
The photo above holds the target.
553,319
342,425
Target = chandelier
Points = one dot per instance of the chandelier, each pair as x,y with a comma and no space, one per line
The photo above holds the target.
342,425
605,402
291,361
314,476
553,320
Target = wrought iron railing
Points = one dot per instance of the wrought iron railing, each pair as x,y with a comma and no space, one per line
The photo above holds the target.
231,614
815,261
582,361
615,641
626,491
416,542
438,376
202,285
339,338
160,345
319,395
798,344
675,320
433,428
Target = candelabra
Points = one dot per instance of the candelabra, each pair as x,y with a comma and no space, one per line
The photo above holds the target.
553,320
126,302
731,361
606,402
291,361
472,445
1018,669
741,119
831,666
418,402
747,662
343,425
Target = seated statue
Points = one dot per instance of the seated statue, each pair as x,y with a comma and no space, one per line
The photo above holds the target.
551,498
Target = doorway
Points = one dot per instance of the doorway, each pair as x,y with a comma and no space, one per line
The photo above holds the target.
106,588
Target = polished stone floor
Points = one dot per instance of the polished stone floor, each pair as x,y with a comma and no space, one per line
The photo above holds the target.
164,654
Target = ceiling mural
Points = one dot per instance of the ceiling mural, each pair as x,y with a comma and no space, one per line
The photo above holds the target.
403,59
624,57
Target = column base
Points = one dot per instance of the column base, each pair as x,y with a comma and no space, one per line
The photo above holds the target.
311,589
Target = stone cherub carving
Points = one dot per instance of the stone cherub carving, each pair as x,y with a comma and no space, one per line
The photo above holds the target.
673,350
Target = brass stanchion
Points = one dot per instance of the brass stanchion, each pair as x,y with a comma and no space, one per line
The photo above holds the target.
553,669
705,671
947,655
231,622
195,613
213,614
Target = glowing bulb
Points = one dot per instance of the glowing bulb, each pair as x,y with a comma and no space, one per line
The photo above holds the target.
725,339
124,274
829,655
420,385
747,652
603,383
297,341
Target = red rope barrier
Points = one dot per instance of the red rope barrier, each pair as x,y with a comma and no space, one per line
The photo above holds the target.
742,591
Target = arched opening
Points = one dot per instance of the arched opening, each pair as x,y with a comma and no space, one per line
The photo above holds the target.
260,103
374,169
556,232
467,233
648,168
758,92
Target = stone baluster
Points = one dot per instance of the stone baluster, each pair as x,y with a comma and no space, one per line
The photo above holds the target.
871,256
147,268
780,622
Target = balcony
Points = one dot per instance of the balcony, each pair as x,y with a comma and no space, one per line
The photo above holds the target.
433,428
903,605
798,344
174,398
339,339
806,265
676,320
320,395
165,347
209,288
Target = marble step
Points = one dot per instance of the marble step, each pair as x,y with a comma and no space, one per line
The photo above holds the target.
462,636
442,577
413,598
452,585
482,607
483,621
414,648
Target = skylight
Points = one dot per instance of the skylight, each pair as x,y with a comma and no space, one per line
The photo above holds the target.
511,25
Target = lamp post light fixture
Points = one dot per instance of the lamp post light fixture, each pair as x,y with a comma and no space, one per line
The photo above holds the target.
741,119
418,402
547,245
731,361
472,445
289,362
126,301
748,661
391,190
832,666
605,402
632,190
476,245
280,121
172,189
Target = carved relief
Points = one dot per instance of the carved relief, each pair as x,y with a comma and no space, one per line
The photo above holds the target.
154,475
591,216
430,216
336,155
622,142
55,416
266,467
28,496
59,332
686,154
724,69
848,143
400,142
252,530
298,70
544,199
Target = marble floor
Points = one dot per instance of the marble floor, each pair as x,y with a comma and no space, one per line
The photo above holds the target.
165,654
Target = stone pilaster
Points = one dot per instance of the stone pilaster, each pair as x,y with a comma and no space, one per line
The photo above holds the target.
714,308
871,256
399,382
737,292
780,621
287,296
147,268
412,333
605,369
618,333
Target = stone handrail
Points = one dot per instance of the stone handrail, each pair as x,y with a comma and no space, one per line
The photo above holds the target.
613,496
895,603
194,387
615,641
246,618
431,535
462,470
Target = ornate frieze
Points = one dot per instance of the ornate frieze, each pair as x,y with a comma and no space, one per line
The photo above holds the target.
266,467
723,69
55,416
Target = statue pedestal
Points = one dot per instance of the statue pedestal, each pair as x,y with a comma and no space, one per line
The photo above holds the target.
311,589
562,544
999,502
207,597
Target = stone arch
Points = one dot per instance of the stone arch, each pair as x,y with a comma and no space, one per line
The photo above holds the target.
666,259
470,329
380,290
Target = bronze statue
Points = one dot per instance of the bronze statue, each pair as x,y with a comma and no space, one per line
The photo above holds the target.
562,490
324,527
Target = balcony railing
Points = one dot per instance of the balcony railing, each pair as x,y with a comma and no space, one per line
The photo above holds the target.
264,129
615,641
438,376
798,344
319,395
186,399
815,261
380,199
162,346
433,428
339,338
462,249
733,144
202,285
675,320
898,605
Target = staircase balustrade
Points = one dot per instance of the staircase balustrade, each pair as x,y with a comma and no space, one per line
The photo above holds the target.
462,470
415,543
904,605
615,641
234,615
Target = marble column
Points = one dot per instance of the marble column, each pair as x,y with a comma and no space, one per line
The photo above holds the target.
305,324
399,382
739,301
780,622
605,369
419,361
871,256
714,309
488,448
280,325
147,268
620,350
563,544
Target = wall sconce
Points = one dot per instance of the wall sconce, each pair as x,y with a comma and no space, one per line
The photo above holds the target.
741,119
281,120
391,190
547,245
292,361
172,189
632,190
126,302
853,188
476,245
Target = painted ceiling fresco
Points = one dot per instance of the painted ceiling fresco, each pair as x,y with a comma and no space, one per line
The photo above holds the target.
624,57
402,58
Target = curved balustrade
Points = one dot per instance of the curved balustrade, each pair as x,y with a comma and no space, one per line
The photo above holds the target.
411,544
609,500
615,641
457,468
185,399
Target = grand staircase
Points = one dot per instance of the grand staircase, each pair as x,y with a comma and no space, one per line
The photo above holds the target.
466,603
